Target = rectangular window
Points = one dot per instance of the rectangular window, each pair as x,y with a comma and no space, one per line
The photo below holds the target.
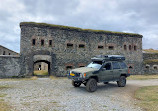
125,47
9,53
82,66
100,47
33,41
81,46
50,43
69,45
135,48
111,47
42,42
115,65
130,47
3,52
68,67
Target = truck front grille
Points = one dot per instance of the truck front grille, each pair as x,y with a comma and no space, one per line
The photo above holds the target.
76,74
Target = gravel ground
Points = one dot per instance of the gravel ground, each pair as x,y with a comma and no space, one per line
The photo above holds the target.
45,94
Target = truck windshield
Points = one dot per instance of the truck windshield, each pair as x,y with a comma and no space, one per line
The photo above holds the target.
95,65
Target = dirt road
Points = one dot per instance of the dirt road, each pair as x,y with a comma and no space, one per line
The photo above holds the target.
45,94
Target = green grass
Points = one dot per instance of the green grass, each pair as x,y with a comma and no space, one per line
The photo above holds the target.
78,29
41,73
148,98
150,50
4,106
142,77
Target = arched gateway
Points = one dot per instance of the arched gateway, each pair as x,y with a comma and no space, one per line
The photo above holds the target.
43,58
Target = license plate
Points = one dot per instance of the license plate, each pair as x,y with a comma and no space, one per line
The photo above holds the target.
71,74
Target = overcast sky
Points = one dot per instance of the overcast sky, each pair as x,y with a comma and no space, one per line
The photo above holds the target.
134,16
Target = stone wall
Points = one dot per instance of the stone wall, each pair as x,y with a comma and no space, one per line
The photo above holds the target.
150,63
9,66
6,51
147,56
71,47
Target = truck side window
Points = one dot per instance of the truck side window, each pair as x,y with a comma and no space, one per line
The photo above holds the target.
123,65
115,65
108,66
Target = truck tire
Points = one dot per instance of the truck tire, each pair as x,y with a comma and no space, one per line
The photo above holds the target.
76,84
122,81
91,85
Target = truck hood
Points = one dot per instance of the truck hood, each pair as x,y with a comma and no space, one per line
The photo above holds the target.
84,69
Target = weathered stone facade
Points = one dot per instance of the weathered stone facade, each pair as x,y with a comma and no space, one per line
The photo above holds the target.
9,66
6,51
150,65
63,48
9,63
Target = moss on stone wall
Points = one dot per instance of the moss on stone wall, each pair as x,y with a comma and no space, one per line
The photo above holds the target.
78,29
151,51
150,61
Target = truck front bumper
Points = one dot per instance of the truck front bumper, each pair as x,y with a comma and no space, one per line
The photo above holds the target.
75,78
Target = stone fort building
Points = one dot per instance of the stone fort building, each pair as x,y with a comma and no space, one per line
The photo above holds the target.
64,48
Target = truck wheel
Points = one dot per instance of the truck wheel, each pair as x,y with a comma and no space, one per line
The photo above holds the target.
91,85
122,81
76,84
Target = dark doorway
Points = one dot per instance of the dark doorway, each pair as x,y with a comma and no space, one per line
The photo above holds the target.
41,68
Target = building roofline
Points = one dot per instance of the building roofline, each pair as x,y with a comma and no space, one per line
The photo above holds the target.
8,49
45,25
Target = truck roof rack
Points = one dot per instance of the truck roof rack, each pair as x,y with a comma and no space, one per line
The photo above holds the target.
108,58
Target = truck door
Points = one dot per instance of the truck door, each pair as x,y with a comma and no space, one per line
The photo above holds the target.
107,72
116,70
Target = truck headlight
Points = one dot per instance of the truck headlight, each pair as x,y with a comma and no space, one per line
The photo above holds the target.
70,72
84,75
81,75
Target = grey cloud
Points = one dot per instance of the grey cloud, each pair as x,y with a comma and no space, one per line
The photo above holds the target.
123,15
50,7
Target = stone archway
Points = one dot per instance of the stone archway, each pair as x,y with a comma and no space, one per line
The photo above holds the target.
43,58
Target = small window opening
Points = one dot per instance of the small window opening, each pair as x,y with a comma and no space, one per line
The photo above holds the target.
42,42
3,52
147,67
68,67
82,66
33,41
130,47
81,46
155,67
50,42
9,53
111,47
69,45
125,47
130,67
100,47
135,48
